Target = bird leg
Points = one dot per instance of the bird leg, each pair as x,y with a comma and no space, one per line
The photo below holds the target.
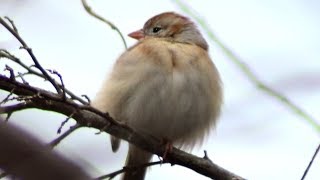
168,148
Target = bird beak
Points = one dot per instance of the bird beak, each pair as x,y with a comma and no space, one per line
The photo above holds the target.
137,34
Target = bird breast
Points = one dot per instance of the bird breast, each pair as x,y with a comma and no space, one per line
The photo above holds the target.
169,90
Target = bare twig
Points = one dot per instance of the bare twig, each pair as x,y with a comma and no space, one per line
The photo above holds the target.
64,122
87,98
29,50
12,24
7,98
127,168
246,70
6,54
61,81
13,108
12,76
22,78
95,15
310,163
56,141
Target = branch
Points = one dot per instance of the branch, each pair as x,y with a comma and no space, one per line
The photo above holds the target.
24,157
56,141
14,32
90,117
7,55
95,15
127,168
310,163
247,71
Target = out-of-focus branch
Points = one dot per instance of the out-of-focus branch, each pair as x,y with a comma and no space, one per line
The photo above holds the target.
246,70
95,15
311,162
25,157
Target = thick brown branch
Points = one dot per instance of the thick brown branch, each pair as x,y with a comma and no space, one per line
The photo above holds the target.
90,117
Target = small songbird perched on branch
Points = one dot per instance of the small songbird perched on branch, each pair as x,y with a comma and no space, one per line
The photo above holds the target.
165,85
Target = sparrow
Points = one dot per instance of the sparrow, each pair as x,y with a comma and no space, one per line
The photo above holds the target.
165,85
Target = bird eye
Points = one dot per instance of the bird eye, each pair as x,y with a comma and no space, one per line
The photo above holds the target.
156,29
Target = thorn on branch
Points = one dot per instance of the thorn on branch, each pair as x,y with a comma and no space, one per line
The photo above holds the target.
206,157
25,48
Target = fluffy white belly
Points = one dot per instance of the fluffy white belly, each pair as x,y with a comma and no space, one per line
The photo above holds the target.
175,106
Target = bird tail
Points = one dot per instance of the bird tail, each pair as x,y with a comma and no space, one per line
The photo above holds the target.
136,157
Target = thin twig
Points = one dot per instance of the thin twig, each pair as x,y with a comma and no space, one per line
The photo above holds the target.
12,76
128,168
6,54
64,122
29,50
56,141
310,163
95,15
246,70
12,24
87,98
61,81
7,97
22,78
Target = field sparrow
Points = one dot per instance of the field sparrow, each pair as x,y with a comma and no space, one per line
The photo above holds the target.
165,85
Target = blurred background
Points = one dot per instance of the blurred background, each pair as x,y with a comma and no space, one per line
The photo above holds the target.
257,137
